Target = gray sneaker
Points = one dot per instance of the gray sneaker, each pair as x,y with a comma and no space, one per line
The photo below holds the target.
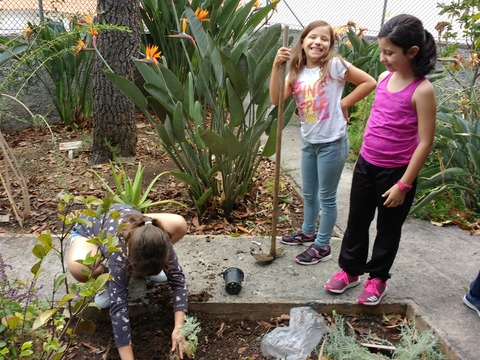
102,299
159,278
299,238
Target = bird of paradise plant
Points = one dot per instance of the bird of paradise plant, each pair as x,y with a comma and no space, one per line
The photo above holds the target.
210,123
48,55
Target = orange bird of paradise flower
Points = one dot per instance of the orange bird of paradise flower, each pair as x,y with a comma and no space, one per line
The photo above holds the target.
182,34
201,14
80,46
152,54
92,30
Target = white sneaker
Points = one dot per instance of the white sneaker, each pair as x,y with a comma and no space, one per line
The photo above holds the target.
103,299
159,278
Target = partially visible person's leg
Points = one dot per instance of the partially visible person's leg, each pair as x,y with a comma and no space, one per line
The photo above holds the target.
311,200
472,297
355,243
174,224
79,249
475,286
389,225
330,163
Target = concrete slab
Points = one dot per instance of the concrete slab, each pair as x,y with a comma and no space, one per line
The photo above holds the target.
432,269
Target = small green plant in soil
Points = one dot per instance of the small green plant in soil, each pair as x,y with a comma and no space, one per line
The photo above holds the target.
341,343
189,331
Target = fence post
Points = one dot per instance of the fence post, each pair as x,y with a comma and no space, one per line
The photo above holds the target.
384,11
40,9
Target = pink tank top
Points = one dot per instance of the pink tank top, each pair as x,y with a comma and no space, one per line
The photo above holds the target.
391,136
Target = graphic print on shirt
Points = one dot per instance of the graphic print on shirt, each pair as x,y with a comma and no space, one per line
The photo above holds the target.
312,102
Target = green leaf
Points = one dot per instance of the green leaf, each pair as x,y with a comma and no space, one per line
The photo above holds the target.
198,32
12,53
174,85
43,318
164,135
178,126
217,144
60,279
39,251
266,41
128,88
201,200
66,298
235,106
150,75
234,147
270,146
185,177
161,95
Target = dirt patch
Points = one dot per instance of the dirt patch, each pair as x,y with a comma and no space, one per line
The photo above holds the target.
49,172
219,338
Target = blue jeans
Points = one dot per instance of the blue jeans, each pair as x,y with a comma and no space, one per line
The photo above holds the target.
322,166
475,287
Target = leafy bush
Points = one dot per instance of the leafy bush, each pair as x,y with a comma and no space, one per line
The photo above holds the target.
47,54
353,46
211,124
226,21
31,327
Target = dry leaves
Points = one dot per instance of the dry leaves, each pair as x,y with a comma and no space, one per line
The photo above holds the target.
49,172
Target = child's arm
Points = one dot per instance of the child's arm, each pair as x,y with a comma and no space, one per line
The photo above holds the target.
365,85
177,340
424,101
125,352
283,55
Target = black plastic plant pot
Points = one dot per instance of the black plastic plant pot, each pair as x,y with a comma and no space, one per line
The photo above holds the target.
233,280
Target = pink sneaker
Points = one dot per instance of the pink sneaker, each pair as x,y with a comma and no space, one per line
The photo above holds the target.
341,281
375,289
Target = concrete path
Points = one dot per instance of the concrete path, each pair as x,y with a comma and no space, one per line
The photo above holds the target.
432,269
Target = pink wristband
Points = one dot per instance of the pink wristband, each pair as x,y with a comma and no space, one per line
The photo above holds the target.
404,187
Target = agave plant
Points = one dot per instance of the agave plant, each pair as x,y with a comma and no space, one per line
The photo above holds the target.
130,191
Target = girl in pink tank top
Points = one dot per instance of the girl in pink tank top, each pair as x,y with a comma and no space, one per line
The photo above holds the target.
397,141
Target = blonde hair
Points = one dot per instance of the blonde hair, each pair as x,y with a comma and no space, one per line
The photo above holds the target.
299,59
148,245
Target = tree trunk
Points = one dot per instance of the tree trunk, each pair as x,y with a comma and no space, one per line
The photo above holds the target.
114,128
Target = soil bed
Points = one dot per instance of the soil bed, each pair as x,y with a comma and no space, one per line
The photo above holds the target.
219,338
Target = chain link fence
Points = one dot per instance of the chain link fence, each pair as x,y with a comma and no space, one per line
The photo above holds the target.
366,14
295,13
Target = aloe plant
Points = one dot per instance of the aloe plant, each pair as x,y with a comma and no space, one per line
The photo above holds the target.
131,191
211,125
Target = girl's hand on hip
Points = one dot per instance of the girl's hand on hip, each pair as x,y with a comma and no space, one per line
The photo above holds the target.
395,197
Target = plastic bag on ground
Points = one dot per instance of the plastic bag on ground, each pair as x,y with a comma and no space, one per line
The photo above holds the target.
299,339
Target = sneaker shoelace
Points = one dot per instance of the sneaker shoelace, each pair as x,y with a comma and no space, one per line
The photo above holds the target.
371,287
341,276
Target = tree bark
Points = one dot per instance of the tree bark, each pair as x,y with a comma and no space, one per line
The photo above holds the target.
114,128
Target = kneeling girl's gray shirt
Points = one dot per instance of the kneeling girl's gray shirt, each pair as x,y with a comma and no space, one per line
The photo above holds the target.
117,264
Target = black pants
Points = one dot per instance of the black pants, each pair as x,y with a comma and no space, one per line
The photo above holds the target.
368,185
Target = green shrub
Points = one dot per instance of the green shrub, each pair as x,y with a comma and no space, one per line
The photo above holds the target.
211,124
